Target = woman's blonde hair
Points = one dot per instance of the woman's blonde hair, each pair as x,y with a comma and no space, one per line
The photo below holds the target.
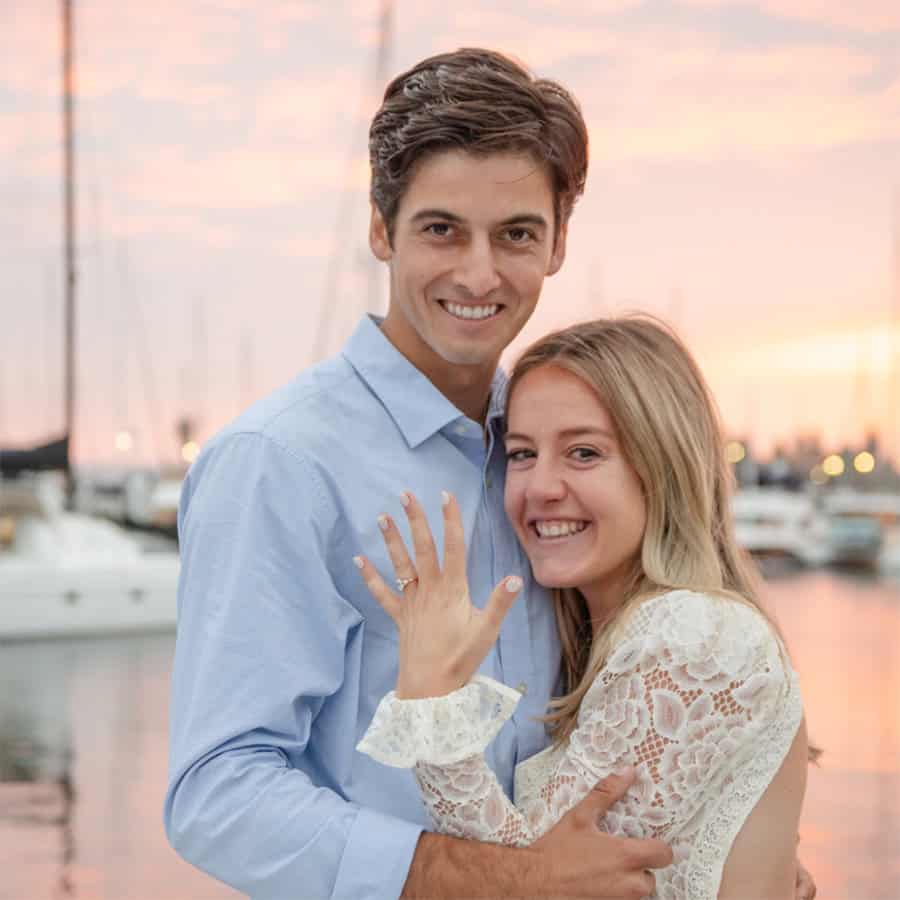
668,429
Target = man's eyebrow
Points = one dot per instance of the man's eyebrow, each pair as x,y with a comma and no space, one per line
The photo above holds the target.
526,219
565,433
435,214
518,219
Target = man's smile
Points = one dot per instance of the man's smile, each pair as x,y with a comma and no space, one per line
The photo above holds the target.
470,312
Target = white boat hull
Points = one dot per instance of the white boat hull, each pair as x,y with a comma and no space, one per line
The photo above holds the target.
42,601
889,560
771,522
70,574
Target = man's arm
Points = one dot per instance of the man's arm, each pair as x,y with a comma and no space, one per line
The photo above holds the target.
263,641
573,859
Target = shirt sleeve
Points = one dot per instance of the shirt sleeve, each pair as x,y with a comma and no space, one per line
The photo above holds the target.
263,638
683,699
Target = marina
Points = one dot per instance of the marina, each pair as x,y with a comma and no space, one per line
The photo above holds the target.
88,545
83,745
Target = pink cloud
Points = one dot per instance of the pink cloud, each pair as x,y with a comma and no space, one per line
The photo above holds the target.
22,131
241,178
869,15
125,45
676,93
314,107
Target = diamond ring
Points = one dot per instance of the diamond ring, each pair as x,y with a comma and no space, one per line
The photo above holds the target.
404,583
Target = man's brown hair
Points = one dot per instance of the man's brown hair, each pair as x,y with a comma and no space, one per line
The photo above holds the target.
482,102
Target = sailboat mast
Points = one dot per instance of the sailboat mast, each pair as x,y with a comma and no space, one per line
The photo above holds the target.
894,396
68,102
385,32
349,199
382,65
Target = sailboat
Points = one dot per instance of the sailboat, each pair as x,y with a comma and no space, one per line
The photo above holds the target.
63,572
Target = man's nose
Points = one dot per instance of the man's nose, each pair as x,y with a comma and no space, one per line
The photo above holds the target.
476,271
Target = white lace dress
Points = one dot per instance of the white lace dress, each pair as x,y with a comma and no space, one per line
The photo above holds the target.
698,695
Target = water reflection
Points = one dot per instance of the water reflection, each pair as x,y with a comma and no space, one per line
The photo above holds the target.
844,635
83,730
83,749
37,791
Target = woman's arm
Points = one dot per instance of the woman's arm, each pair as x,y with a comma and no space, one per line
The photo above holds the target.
769,833
697,697
443,638
443,739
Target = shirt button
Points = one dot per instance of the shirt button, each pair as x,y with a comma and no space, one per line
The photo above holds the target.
522,688
461,429
489,482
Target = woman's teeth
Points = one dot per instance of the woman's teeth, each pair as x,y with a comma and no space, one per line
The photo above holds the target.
557,529
471,312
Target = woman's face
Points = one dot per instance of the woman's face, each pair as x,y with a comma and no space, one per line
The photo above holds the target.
575,502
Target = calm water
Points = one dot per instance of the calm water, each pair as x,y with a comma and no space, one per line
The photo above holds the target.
83,754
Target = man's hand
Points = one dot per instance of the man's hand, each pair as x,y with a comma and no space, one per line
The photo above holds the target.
587,862
805,888
574,859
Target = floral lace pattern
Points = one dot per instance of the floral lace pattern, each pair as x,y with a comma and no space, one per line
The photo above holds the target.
698,695
444,729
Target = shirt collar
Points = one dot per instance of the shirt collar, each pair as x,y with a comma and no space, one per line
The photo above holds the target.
417,407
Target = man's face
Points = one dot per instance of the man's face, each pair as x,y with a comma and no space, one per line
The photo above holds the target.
473,242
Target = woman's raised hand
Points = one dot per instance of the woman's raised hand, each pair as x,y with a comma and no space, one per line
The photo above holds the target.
443,637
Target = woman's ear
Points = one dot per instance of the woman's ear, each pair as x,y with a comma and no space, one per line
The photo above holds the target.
379,239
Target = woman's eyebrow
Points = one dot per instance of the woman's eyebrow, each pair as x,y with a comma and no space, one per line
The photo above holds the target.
565,433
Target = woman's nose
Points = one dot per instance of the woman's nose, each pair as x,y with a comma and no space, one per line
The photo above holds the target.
546,483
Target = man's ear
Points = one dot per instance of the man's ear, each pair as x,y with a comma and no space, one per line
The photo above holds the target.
558,257
378,236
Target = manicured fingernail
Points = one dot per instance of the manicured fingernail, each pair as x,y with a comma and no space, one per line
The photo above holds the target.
383,522
404,498
513,584
357,561
627,772
445,498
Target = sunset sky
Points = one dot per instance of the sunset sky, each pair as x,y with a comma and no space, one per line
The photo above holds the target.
744,184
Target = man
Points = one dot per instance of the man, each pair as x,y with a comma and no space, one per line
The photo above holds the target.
282,655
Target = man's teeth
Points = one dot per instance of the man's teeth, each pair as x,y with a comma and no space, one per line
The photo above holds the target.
471,312
559,529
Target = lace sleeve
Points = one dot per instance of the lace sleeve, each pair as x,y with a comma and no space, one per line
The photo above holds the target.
442,730
444,738
684,698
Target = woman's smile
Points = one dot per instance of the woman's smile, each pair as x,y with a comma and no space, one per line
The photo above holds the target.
575,502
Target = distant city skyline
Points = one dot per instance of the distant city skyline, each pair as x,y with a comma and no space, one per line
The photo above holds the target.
743,185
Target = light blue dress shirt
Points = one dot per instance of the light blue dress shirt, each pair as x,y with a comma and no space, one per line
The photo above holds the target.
282,655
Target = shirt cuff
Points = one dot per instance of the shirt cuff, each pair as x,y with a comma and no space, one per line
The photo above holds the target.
439,730
376,859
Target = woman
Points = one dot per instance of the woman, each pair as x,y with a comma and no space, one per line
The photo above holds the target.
618,490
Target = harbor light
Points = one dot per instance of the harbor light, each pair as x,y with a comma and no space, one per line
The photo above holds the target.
735,451
189,451
817,475
864,462
124,441
833,465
